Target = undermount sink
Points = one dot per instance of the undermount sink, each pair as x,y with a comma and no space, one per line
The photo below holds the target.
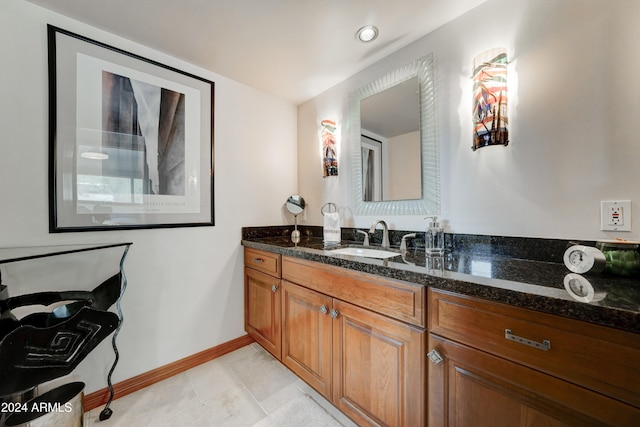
365,252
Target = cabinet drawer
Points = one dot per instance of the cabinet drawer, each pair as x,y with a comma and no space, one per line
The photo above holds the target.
267,262
599,358
396,299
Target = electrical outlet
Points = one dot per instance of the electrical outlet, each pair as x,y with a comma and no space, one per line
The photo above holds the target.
615,215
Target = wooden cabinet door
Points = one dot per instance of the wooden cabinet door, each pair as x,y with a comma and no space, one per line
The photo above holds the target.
306,335
379,368
473,388
262,309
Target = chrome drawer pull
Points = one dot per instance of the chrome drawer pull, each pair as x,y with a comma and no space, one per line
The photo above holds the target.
258,260
544,345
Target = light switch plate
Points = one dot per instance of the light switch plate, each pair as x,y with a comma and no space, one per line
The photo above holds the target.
615,215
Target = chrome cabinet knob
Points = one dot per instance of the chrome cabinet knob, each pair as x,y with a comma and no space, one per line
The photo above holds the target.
274,288
334,313
435,357
324,309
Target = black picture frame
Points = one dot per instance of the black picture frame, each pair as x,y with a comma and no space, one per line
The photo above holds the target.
130,140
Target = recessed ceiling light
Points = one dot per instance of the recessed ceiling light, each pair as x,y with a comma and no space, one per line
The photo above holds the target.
367,34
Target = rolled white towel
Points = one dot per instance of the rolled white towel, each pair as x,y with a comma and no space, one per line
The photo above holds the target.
331,228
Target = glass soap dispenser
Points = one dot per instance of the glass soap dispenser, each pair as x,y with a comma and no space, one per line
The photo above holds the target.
434,237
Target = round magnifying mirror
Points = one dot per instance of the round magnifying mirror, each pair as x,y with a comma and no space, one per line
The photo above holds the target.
295,204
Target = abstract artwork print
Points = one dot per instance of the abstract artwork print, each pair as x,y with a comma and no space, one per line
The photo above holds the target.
490,120
329,151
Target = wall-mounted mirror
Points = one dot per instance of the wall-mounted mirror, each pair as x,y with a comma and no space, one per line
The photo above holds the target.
394,147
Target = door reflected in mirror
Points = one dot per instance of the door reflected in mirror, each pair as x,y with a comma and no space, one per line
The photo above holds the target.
390,141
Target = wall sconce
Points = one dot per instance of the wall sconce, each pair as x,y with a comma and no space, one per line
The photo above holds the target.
490,119
329,148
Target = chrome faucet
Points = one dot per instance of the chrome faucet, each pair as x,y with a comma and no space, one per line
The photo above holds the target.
385,232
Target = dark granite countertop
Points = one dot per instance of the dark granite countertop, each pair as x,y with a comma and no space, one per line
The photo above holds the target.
537,284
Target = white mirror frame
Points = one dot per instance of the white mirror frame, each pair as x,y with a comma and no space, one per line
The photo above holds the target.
422,68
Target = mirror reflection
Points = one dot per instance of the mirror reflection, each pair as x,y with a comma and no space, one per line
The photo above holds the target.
391,175
390,140
295,204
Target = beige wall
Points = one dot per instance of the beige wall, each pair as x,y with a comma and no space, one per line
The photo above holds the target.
403,169
574,112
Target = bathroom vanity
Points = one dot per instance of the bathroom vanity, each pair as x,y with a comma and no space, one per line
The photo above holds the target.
474,339
357,339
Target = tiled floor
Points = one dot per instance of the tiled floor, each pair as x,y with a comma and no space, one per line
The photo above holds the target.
247,387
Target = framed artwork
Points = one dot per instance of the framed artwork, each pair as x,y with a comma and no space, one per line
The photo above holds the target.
130,140
490,119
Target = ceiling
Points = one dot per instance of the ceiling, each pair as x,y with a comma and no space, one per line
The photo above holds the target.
294,49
